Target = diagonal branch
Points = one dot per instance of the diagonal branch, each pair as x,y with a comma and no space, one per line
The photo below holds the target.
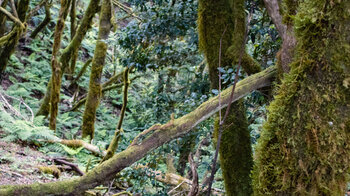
273,8
108,169
126,9
12,17
13,7
286,32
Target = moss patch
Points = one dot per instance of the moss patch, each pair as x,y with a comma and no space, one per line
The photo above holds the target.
224,21
304,147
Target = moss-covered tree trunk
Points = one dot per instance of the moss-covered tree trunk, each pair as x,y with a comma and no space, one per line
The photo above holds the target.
222,25
3,19
69,51
113,146
304,148
9,47
95,87
55,65
74,56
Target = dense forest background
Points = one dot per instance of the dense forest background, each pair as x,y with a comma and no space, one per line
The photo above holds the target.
131,96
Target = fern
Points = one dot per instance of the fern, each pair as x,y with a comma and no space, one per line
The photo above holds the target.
71,151
15,129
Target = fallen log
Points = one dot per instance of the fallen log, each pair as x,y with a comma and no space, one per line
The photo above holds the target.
108,169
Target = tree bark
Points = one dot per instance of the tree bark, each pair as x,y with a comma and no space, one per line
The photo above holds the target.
55,66
285,31
222,30
3,19
45,22
304,147
108,169
95,87
9,47
68,52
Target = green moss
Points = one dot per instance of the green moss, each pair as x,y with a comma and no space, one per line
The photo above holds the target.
70,50
224,21
53,170
3,19
304,147
9,47
55,66
95,87
235,151
215,17
73,143
289,10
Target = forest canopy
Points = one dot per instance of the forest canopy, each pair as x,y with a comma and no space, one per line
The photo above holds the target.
174,97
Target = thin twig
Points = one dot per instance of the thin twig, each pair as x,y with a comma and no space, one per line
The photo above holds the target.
36,8
22,101
172,190
72,165
195,186
211,179
109,187
10,107
220,72
126,9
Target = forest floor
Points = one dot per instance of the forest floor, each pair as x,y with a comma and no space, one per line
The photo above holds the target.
19,164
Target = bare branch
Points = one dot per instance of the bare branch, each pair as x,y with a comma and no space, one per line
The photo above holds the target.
273,9
13,6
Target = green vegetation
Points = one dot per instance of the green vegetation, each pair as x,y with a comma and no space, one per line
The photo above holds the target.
133,92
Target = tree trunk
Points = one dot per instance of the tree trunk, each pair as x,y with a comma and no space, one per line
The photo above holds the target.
74,56
304,148
222,27
94,94
286,32
45,22
118,162
68,52
9,47
55,66
3,19
113,145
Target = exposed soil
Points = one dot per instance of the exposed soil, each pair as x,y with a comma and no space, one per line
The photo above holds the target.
19,165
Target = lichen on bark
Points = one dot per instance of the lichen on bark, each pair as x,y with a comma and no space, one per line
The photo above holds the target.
304,147
67,53
95,87
55,65
113,146
9,47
